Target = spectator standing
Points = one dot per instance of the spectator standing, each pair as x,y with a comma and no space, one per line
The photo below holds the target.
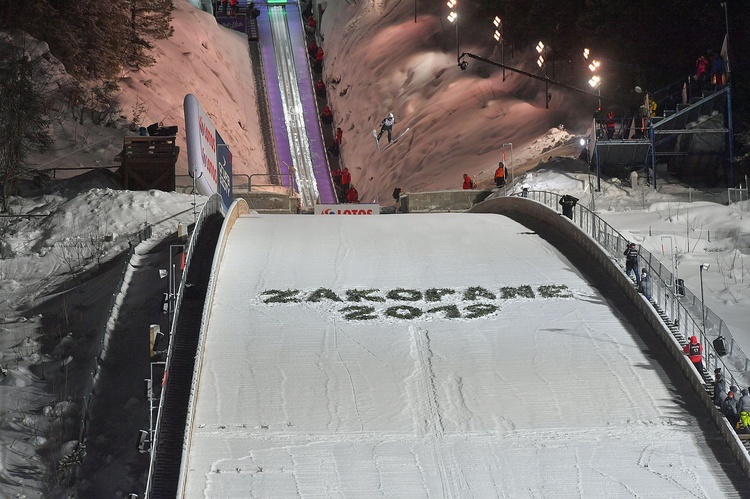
610,125
729,409
312,48
397,195
320,89
720,387
743,410
224,4
694,351
631,261
312,25
339,136
334,149
352,196
468,184
500,175
645,284
568,202
346,179
235,7
336,176
318,61
326,116
717,70
701,72
634,104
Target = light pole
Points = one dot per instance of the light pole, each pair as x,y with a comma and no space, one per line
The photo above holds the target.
499,38
704,266
453,19
596,80
542,63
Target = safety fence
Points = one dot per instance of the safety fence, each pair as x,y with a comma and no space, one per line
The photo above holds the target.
213,206
683,308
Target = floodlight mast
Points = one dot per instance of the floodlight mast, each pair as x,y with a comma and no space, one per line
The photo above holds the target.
453,19
463,64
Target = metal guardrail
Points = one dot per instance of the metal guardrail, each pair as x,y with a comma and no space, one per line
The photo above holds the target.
213,205
684,309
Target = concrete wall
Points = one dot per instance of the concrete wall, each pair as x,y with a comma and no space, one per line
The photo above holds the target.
269,202
442,201
553,222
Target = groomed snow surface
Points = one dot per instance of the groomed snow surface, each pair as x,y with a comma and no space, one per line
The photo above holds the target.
553,394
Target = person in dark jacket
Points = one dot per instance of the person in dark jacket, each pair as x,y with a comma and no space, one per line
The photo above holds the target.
397,195
320,89
720,387
634,104
729,409
645,285
694,351
568,202
631,261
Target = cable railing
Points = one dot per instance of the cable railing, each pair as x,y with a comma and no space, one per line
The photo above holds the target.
680,304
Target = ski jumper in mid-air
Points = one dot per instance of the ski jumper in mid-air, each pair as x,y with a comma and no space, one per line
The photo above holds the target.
386,126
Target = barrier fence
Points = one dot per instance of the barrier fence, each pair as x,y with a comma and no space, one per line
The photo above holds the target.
678,303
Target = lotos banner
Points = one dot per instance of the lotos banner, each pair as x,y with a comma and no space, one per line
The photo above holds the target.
347,209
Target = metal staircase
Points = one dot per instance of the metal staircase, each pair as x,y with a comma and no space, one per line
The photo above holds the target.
177,381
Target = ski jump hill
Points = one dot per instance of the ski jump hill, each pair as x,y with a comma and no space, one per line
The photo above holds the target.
433,355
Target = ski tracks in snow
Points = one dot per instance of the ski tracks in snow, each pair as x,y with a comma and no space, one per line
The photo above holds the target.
349,375
427,418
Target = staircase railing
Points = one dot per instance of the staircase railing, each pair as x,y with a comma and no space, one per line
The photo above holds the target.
680,304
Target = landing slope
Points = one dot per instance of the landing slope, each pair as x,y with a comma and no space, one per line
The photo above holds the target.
444,355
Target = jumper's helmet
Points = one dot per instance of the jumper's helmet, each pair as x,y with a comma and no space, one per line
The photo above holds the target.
390,115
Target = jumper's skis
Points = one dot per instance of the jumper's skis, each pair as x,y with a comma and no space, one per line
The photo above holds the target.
377,142
389,144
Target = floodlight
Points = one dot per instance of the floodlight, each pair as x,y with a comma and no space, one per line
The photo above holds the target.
540,47
497,22
452,3
582,142
540,61
452,17
586,53
594,65
595,81
498,36
705,266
